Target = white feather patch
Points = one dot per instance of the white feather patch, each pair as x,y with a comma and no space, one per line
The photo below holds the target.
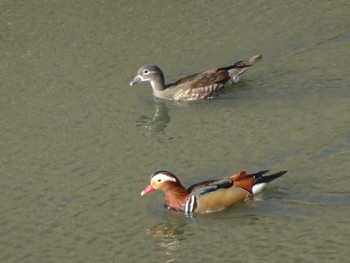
257,188
163,178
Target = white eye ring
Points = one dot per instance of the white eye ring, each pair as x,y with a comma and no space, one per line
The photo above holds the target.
145,71
159,180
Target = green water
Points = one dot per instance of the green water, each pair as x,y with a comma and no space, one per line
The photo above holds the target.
78,144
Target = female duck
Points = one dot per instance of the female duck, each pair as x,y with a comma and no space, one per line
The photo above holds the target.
194,87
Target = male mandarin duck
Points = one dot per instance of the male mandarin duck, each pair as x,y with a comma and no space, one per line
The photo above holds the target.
197,86
209,196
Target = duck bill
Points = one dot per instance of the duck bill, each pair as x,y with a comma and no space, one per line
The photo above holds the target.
147,190
136,80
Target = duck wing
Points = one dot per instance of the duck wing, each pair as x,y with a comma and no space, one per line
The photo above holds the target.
206,78
209,186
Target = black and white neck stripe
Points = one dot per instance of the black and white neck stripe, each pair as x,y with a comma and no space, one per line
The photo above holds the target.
191,204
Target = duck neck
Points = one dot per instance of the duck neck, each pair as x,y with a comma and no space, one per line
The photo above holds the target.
176,197
158,83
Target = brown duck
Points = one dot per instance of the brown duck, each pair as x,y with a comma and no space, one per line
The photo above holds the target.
208,196
194,87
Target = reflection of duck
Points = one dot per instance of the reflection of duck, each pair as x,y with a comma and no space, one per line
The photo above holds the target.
169,233
208,196
197,86
159,120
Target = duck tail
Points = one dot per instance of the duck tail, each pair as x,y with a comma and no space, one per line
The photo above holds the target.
261,179
236,70
254,59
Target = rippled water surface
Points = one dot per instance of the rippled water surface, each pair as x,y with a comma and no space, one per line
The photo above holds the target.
78,144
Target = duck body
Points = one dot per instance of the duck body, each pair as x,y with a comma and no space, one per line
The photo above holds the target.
194,87
208,196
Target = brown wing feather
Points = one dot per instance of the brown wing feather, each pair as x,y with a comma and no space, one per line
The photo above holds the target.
186,79
213,76
204,79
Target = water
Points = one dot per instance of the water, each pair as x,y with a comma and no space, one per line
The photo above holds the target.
78,144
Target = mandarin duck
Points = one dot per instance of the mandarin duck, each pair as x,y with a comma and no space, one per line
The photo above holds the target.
194,87
208,196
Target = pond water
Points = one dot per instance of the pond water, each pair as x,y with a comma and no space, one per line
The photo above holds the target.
78,144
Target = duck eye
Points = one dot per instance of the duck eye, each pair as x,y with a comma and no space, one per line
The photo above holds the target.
159,180
145,71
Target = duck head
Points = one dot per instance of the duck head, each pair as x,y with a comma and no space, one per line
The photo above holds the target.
175,195
151,73
161,180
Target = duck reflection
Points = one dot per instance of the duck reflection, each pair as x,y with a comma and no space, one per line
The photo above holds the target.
158,122
168,234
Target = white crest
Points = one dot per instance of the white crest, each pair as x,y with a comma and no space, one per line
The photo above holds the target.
162,177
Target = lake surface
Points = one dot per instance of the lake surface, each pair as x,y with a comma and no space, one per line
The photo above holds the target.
78,144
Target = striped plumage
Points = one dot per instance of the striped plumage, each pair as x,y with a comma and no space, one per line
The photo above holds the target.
208,196
194,87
